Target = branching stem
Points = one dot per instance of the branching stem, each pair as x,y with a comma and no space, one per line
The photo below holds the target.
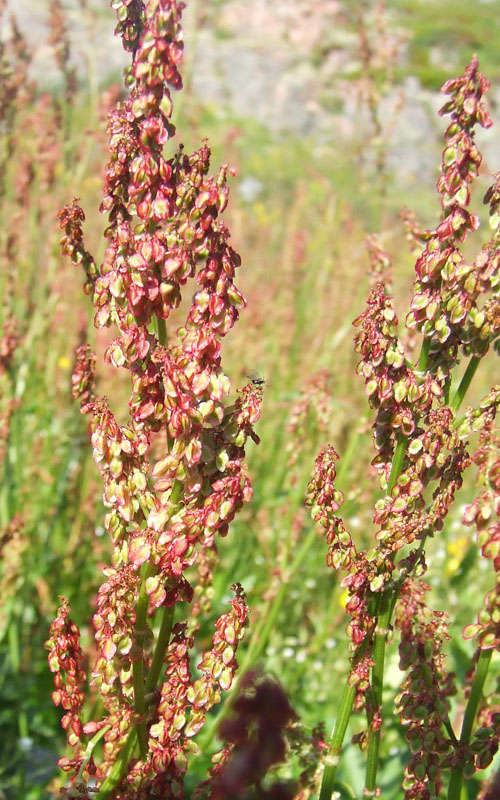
385,610
465,383
138,665
160,647
118,769
456,777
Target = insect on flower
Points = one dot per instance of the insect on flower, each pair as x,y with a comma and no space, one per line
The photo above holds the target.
256,379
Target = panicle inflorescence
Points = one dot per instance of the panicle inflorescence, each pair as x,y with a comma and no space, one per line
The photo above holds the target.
423,702
447,290
16,91
71,219
325,501
173,473
422,452
392,386
436,454
66,662
484,513
83,375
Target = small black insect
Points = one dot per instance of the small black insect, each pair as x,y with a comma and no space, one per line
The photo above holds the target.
256,377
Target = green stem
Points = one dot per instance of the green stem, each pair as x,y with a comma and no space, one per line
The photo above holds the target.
335,746
475,694
161,329
424,355
377,688
397,461
138,665
117,770
456,777
465,383
14,647
378,670
160,647
89,749
141,613
450,731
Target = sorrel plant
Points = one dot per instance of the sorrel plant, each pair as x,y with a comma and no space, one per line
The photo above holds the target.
173,474
425,441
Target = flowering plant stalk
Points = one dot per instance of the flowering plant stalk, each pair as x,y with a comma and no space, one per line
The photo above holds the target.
423,447
174,474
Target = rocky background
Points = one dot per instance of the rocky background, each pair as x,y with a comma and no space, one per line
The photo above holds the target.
297,67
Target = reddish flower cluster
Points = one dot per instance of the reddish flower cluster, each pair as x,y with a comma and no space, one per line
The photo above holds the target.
393,388
436,454
174,474
71,218
83,376
447,289
422,454
325,500
183,704
484,513
65,660
423,701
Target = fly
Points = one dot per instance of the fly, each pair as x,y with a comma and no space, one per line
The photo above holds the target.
256,379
